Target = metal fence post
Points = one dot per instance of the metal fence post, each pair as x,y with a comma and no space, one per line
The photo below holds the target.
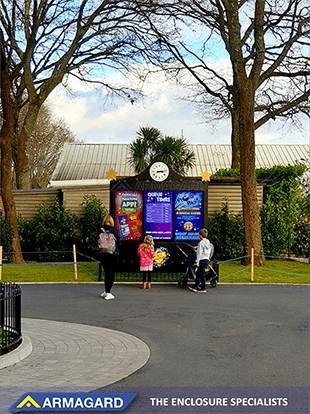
100,272
1,251
252,264
309,246
18,310
75,262
1,304
10,316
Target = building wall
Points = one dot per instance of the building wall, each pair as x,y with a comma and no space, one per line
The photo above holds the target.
219,194
73,197
27,201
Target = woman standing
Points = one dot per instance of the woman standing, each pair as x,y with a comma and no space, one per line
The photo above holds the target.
109,259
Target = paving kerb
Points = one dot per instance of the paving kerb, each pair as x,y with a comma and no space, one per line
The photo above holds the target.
18,354
61,353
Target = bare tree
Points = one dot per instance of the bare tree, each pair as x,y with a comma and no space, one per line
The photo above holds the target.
6,160
44,146
46,40
282,88
43,41
267,44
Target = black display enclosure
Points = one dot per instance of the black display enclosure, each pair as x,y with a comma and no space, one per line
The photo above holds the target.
144,183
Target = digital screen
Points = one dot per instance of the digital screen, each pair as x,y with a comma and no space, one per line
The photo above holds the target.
188,208
158,214
128,217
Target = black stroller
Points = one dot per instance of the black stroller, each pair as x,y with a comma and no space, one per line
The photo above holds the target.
212,271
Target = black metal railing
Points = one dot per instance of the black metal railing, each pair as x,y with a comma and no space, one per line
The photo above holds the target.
10,317
157,276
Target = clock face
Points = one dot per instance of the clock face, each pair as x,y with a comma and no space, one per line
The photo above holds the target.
159,171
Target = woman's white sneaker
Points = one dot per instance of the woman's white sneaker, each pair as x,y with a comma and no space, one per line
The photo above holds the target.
109,296
103,295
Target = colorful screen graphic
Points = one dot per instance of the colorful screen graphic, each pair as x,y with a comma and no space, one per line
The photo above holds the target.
128,208
158,214
187,215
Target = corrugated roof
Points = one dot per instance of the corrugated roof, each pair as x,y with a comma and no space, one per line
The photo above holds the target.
88,162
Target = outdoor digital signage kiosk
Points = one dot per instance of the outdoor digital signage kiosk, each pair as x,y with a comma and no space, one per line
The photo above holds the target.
159,202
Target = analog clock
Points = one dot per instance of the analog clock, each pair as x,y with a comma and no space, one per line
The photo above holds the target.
159,171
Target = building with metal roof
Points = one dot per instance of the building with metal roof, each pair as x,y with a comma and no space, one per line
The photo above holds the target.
87,164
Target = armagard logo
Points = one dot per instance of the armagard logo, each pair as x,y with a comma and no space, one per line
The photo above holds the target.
29,402
73,402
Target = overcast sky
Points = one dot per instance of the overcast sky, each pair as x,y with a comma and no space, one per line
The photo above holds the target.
94,120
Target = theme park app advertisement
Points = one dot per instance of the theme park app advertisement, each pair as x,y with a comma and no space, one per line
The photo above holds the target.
129,207
158,216
188,215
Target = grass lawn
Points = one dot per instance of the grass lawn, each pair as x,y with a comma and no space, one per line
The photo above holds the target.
57,273
275,271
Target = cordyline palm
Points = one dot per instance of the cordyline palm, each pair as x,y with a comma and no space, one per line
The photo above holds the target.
142,149
175,153
151,146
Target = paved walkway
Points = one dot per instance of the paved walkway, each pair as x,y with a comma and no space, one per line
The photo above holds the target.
245,336
75,355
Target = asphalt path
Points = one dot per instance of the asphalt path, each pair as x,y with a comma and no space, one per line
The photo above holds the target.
231,336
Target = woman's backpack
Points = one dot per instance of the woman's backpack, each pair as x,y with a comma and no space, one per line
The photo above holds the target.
106,242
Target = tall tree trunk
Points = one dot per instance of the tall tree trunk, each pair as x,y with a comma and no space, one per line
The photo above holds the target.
244,96
235,128
6,163
248,178
235,139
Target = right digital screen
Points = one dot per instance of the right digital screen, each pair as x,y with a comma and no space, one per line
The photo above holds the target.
188,209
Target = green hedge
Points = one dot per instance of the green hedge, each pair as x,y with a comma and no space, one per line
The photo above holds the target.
53,228
226,232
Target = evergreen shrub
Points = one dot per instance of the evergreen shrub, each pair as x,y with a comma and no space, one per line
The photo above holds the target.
226,232
283,216
91,221
51,229
6,235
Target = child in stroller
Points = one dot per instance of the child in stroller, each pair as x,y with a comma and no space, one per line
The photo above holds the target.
189,260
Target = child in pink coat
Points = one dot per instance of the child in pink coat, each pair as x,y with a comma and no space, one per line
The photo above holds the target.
146,253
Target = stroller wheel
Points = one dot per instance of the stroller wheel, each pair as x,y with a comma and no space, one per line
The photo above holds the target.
213,283
182,281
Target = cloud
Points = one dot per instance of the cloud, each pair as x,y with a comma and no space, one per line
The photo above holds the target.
95,118
264,138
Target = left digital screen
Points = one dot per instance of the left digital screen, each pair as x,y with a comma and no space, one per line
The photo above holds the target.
129,210
158,216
